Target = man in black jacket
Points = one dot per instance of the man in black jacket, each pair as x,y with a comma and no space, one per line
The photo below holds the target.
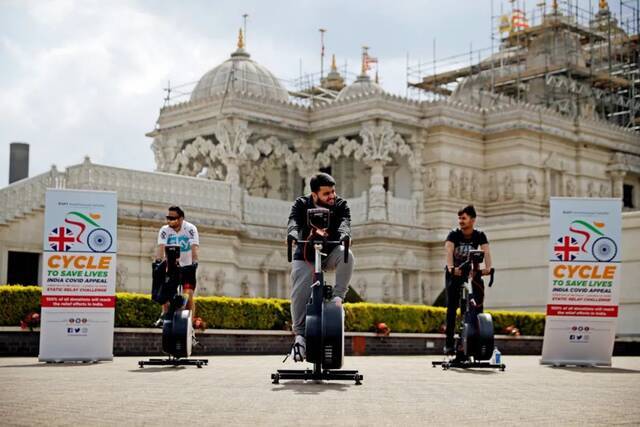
323,195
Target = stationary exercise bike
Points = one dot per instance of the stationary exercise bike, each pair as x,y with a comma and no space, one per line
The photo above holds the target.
177,329
474,343
324,324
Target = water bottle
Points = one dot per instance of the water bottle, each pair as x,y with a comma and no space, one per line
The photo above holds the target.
497,357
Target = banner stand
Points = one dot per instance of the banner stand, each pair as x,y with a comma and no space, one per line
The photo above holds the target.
584,281
78,276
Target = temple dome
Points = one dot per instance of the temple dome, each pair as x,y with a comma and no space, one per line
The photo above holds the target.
239,74
361,87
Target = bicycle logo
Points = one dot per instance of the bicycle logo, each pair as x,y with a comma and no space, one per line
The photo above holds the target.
603,248
98,239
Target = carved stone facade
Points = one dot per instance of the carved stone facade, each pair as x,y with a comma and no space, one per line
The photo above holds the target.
235,161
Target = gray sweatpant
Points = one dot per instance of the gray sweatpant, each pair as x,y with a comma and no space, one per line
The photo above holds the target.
302,275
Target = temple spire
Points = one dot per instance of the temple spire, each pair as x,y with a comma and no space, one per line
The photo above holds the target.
240,40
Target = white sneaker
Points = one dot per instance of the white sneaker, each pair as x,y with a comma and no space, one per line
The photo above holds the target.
298,349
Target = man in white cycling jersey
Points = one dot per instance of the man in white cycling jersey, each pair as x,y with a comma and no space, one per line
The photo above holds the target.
178,232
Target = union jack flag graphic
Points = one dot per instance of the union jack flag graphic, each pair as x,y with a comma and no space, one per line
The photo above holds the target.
565,247
61,239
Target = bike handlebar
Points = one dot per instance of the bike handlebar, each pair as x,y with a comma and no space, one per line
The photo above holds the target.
345,243
491,273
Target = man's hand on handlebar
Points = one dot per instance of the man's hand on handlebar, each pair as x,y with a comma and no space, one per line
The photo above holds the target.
322,232
291,238
456,271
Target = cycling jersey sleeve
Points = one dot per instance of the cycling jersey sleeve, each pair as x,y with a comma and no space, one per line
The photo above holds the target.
194,239
162,236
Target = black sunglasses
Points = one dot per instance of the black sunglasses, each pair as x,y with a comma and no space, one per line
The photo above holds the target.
172,218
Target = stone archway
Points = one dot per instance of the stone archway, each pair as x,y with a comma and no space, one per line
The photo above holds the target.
379,143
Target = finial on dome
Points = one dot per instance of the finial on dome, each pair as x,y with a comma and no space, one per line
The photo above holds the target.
240,40
240,52
333,63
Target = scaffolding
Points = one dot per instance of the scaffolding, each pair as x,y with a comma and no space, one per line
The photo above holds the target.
312,88
580,62
307,89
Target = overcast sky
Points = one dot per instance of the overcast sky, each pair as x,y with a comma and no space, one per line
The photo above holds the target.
86,77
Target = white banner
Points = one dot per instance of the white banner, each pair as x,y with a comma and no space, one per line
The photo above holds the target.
584,281
78,275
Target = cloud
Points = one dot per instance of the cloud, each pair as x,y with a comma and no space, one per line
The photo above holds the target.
95,90
87,77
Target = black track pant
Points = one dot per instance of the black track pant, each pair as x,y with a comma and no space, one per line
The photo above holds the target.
454,289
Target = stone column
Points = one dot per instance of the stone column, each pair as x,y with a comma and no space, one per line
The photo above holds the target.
283,190
377,199
378,143
398,286
265,281
617,181
305,161
417,174
232,136
233,175
547,185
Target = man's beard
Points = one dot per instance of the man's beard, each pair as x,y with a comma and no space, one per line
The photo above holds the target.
324,205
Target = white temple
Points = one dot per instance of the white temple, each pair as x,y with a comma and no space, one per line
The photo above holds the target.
238,152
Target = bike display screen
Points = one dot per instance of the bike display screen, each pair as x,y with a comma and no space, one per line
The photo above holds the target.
318,218
476,256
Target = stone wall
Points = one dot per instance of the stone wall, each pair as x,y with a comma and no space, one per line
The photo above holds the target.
147,342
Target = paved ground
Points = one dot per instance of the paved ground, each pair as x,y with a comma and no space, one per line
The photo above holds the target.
236,390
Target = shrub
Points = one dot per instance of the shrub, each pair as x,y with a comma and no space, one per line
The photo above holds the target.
16,301
241,313
137,310
362,317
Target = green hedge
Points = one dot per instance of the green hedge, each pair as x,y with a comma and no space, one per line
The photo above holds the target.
137,310
16,302
362,317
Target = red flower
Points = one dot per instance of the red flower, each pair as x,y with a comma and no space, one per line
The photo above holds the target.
511,330
198,323
382,329
31,320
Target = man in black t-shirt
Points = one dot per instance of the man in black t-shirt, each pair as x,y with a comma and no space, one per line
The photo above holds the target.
458,244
